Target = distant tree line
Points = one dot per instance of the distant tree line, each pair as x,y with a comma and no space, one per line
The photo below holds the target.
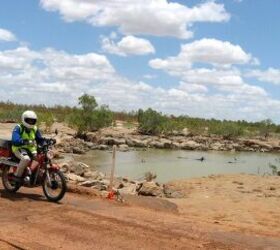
89,116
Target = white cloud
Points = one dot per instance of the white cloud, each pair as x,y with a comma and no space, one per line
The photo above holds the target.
210,51
221,75
56,77
129,45
271,75
193,88
7,36
216,77
150,17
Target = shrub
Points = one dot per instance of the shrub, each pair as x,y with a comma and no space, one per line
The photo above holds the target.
47,119
229,130
89,117
151,122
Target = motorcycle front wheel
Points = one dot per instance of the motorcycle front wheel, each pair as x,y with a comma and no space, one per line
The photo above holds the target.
55,187
9,185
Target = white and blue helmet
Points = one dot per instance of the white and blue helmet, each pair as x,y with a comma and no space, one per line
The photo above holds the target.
29,119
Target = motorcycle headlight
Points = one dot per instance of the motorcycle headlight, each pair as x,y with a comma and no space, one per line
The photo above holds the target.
50,155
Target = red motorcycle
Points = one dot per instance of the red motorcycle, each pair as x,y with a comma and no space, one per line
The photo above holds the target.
47,174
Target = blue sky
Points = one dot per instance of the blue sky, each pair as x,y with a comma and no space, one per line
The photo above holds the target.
200,58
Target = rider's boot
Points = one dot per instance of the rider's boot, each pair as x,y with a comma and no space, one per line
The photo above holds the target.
27,178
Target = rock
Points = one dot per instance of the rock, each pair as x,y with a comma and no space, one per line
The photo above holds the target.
132,142
104,194
88,183
90,144
75,178
156,144
186,132
149,176
83,165
190,145
78,168
258,144
100,186
103,147
217,146
176,145
123,148
171,192
112,141
150,189
128,188
64,168
92,137
89,174
77,150
68,150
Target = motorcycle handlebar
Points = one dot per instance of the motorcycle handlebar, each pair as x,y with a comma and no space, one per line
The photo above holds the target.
47,142
51,141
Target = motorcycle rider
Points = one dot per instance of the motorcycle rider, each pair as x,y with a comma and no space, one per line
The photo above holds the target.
25,138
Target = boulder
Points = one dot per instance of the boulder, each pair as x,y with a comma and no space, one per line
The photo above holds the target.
128,188
176,145
123,147
166,143
190,145
78,150
132,142
65,167
88,183
257,144
94,175
186,132
156,144
74,177
217,146
112,141
68,150
92,137
151,189
78,168
103,147
100,186
170,192
89,144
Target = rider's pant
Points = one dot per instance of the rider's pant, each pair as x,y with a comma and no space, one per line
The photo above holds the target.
25,159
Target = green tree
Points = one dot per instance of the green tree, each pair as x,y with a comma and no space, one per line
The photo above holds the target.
151,122
265,128
88,103
89,117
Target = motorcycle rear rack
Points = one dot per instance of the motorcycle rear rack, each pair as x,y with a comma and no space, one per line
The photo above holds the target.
8,162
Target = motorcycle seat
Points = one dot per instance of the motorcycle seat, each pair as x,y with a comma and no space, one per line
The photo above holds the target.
6,144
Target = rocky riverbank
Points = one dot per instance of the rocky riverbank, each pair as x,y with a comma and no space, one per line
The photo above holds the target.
80,174
128,139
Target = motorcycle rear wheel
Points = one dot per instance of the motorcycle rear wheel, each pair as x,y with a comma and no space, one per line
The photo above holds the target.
8,185
57,182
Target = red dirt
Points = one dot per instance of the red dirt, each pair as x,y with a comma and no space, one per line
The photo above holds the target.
28,221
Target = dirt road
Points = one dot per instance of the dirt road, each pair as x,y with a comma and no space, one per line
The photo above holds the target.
28,221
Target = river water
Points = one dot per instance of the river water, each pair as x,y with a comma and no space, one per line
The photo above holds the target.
179,164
